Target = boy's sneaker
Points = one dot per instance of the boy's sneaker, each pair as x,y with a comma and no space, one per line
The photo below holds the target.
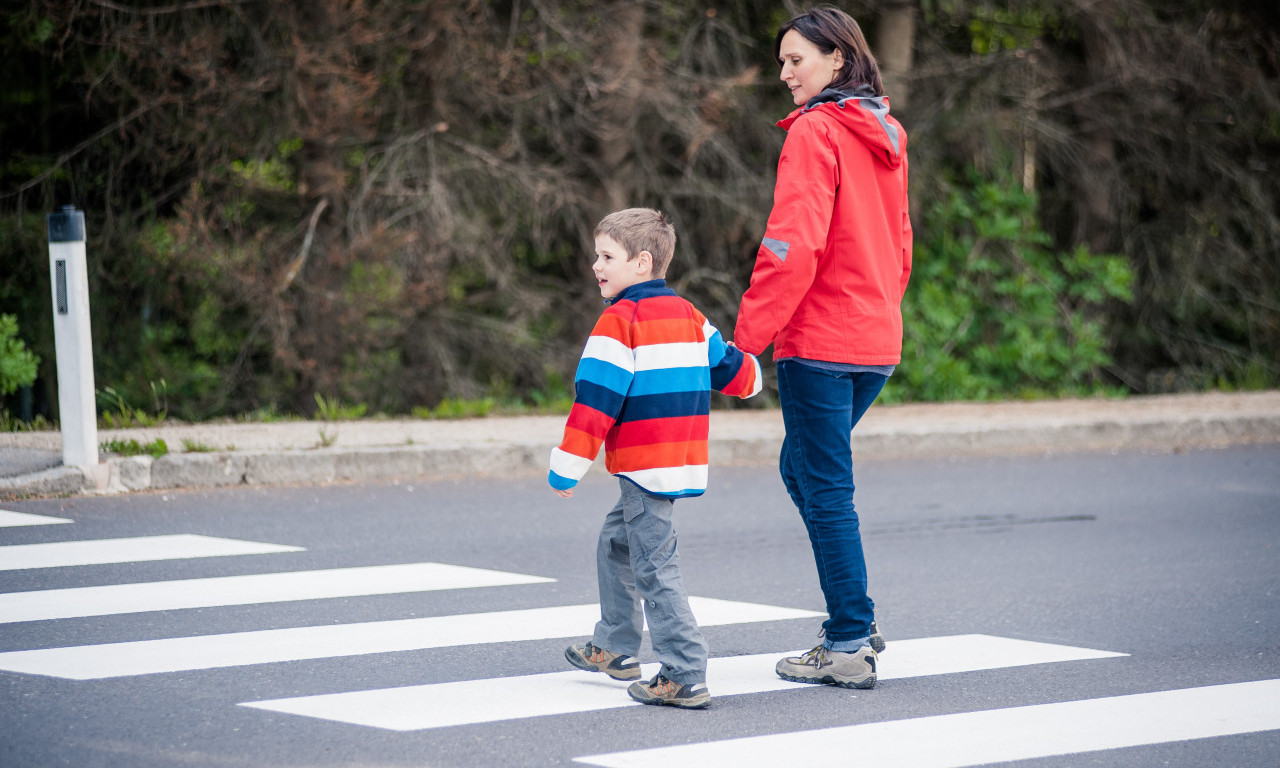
594,659
660,690
825,666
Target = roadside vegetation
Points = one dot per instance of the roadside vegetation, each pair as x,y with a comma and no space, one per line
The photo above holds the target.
339,209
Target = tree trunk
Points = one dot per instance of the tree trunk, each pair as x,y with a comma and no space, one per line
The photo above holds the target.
895,44
617,105
1096,178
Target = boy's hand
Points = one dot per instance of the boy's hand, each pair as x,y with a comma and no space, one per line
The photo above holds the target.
563,494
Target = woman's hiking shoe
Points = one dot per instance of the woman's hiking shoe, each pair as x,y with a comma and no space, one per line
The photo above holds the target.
877,639
828,667
595,659
660,690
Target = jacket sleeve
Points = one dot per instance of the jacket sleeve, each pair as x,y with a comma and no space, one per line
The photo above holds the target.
794,238
601,383
733,371
907,233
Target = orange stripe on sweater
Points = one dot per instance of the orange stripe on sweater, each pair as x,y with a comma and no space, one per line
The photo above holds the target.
659,455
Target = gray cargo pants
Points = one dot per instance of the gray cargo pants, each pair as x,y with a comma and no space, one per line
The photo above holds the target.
639,572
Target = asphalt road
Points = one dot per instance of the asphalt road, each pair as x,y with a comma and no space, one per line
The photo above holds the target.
1165,562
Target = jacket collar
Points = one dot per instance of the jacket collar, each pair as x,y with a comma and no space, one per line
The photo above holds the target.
641,291
869,120
839,96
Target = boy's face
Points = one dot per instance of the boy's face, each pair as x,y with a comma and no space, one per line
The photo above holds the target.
614,273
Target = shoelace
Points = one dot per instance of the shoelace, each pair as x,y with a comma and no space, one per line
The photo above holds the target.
818,657
661,686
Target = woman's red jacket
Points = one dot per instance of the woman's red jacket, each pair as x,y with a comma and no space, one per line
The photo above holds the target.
836,255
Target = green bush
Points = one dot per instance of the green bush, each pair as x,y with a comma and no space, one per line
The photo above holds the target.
18,365
125,415
993,311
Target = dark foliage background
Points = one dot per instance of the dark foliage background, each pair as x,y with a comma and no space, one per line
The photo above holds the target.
390,203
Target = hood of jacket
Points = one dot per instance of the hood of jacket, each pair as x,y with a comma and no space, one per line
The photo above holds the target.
864,113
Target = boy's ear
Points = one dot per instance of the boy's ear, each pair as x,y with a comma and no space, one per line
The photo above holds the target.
644,262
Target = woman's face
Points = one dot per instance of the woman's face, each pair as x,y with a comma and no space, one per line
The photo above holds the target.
805,69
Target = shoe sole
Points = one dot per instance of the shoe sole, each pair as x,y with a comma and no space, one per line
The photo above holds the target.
864,684
698,703
587,666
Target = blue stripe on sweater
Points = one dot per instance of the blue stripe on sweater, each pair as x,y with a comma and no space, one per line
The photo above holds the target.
602,399
560,482
666,405
727,368
666,380
604,374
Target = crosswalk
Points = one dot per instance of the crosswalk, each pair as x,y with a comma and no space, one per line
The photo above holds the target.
409,708
1027,732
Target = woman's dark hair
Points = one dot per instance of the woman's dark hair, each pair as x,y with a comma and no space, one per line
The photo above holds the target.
832,29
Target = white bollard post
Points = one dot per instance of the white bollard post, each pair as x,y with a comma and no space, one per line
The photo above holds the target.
77,409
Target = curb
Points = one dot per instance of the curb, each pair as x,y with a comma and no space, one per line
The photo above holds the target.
59,481
453,460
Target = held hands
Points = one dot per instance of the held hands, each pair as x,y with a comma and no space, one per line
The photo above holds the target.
563,494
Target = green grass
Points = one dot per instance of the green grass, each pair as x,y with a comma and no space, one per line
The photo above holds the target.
156,448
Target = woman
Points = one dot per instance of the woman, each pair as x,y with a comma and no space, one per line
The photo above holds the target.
826,292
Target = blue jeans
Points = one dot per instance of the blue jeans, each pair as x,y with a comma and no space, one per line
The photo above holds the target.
639,572
820,409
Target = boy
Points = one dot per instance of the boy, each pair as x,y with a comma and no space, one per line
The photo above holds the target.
643,390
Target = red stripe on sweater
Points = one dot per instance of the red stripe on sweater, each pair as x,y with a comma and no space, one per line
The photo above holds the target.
634,434
744,382
589,420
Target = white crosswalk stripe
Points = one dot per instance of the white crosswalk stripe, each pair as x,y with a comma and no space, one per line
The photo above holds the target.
45,604
93,662
130,550
966,739
9,519
479,701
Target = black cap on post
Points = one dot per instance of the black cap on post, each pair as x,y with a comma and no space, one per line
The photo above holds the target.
66,226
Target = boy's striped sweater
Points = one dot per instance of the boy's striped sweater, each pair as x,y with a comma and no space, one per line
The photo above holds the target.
644,391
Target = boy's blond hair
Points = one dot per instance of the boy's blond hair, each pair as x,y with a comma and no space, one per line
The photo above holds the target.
642,229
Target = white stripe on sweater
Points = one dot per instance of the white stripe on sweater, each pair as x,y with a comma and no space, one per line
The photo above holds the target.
689,354
609,350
